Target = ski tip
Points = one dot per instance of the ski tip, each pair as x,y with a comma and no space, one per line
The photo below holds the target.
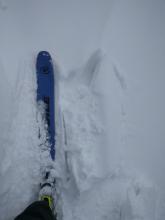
44,54
43,57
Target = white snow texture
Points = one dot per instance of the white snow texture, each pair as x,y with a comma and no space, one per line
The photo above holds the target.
109,67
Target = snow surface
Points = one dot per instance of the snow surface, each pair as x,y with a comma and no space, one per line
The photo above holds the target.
110,116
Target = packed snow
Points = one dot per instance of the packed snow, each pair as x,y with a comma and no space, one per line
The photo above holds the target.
108,59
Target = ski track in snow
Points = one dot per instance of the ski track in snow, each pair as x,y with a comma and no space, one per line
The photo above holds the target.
20,165
90,191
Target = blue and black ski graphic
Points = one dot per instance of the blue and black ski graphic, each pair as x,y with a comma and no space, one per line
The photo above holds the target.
46,93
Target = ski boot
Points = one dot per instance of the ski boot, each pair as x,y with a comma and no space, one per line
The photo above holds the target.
47,188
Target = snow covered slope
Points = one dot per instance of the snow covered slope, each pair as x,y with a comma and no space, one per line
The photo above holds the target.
111,164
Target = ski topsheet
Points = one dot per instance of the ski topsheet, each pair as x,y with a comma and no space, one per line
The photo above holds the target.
45,93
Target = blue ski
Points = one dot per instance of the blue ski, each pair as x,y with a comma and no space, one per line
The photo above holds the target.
45,93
